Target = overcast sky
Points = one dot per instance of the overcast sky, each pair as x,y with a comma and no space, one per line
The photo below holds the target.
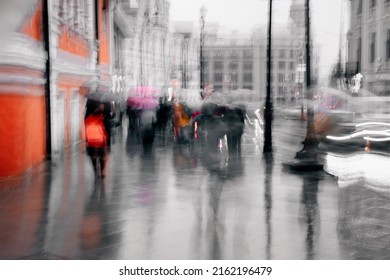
242,15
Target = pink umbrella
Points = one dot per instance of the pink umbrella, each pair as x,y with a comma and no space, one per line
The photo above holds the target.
132,102
148,103
142,103
145,91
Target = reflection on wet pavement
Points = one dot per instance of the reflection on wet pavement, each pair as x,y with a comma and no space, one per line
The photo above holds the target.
364,208
190,202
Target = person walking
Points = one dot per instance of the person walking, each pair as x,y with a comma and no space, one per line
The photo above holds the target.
148,122
181,122
98,134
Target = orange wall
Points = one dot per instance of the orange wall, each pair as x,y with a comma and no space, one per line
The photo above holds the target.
71,42
33,25
23,134
23,121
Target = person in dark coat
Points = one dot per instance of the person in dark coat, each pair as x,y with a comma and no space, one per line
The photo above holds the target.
235,120
148,121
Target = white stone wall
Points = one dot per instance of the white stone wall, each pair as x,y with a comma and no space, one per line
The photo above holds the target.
376,73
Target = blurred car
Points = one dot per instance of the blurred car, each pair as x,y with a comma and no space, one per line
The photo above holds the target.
367,135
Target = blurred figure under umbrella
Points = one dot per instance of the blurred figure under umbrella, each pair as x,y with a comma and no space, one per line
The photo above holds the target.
99,111
135,108
148,122
140,98
164,115
145,91
181,121
133,113
148,119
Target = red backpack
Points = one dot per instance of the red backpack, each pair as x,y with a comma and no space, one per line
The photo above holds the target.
95,133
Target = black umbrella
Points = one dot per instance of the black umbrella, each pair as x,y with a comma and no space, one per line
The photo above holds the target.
103,97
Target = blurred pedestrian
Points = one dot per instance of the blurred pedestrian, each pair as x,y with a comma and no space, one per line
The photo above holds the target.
148,122
235,120
163,114
181,122
98,134
133,112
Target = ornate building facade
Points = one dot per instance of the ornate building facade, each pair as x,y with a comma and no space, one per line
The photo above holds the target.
284,83
369,44
50,49
230,62
22,87
237,61
184,58
148,48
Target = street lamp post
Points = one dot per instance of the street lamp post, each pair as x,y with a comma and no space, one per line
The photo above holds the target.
306,158
203,11
267,149
310,143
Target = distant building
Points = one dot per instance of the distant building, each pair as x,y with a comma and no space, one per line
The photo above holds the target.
237,61
229,62
369,44
124,29
146,50
285,79
184,56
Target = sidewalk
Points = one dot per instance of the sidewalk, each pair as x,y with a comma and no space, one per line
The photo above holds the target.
184,204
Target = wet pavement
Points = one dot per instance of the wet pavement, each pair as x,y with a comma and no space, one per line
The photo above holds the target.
185,202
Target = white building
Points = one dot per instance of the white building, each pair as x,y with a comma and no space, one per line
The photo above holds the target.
369,44
146,51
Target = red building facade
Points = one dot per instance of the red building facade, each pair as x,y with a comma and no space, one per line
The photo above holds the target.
42,109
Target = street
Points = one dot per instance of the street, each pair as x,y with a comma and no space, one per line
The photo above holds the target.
181,202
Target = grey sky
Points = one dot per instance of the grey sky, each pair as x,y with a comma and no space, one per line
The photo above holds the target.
243,15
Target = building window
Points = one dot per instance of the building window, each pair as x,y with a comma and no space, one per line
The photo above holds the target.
62,10
233,65
281,78
372,47
387,8
388,44
282,65
371,13
291,53
359,50
248,77
217,78
360,7
247,65
234,78
292,65
281,53
218,65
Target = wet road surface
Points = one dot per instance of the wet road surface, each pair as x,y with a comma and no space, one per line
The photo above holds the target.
185,202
